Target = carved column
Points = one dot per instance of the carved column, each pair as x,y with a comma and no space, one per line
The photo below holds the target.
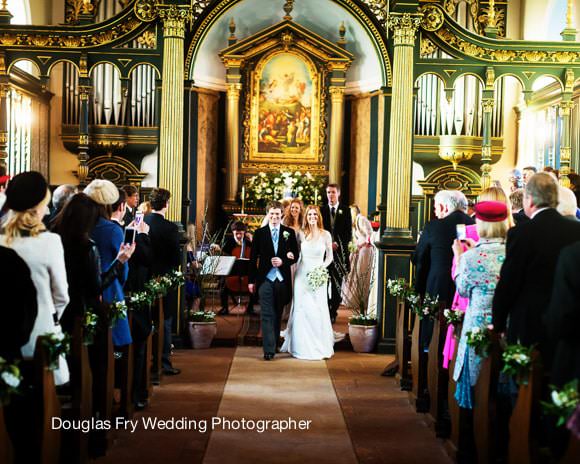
171,124
4,88
401,130
566,107
83,146
487,105
336,134
232,141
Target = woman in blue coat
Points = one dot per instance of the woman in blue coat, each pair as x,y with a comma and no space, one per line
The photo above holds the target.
108,236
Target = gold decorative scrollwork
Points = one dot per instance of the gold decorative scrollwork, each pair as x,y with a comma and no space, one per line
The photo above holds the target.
147,39
487,104
432,18
427,48
256,167
75,8
380,9
145,10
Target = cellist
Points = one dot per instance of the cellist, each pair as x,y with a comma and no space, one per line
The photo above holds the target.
238,245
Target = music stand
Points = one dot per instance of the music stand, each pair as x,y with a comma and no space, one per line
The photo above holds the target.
218,266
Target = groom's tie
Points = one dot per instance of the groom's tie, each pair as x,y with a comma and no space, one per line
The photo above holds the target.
275,239
275,272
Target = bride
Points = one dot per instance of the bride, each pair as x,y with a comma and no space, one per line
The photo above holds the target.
309,334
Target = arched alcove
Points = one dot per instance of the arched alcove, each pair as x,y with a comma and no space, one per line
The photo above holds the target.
368,72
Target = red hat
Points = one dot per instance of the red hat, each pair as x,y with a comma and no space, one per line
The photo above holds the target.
491,211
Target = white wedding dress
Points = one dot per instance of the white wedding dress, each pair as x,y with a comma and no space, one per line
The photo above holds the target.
309,333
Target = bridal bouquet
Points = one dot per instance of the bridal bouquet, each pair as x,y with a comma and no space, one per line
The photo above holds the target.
317,278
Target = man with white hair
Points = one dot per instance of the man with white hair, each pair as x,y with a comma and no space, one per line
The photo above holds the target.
60,197
433,255
567,203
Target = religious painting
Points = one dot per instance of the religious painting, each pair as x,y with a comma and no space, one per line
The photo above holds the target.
285,109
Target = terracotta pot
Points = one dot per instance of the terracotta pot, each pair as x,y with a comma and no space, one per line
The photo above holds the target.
363,337
202,333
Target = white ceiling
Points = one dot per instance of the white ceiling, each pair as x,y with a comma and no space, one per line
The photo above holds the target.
320,16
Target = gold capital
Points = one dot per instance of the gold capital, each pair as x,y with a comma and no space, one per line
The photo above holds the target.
487,105
234,90
486,154
3,138
565,153
85,92
404,27
566,107
336,94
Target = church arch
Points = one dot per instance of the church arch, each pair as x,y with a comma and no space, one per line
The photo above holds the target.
213,26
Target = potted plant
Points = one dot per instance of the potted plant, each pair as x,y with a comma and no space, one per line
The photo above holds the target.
362,325
202,328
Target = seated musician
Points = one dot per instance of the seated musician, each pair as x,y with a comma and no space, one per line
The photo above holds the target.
239,245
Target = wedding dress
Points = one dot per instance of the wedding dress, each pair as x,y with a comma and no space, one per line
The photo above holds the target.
309,333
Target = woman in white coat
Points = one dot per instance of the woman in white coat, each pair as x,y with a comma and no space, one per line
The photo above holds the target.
27,197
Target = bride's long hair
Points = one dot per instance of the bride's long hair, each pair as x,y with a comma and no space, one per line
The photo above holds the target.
305,226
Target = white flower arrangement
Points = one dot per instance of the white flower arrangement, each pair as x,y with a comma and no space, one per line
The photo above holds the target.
317,278
10,379
278,185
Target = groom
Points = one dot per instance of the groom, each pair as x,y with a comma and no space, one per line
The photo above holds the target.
274,250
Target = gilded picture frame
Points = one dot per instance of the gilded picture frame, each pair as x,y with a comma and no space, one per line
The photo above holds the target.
286,107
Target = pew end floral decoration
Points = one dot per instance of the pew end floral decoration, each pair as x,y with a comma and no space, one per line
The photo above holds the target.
480,340
90,326
453,317
10,379
563,402
517,362
56,345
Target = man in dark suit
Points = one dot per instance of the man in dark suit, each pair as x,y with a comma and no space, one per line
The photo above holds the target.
166,256
517,201
433,256
527,275
274,250
132,203
337,219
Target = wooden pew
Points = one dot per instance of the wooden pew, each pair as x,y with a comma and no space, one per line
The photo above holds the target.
103,368
455,414
523,445
75,442
418,369
124,369
484,408
6,450
403,346
47,405
437,380
158,319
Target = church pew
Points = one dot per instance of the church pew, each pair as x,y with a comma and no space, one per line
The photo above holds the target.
6,450
124,369
484,407
76,443
158,317
572,455
455,415
149,365
103,369
45,440
523,446
403,348
437,380
418,369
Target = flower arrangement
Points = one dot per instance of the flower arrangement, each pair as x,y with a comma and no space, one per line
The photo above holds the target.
142,300
90,324
277,185
317,278
10,379
362,319
563,402
398,287
56,345
517,362
480,340
427,307
118,311
352,247
201,316
453,317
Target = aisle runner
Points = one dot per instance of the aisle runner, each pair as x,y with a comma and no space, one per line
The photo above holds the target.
260,391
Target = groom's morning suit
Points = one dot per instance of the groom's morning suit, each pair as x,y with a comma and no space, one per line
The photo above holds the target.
274,284
338,221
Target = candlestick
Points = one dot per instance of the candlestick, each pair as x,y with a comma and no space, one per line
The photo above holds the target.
243,197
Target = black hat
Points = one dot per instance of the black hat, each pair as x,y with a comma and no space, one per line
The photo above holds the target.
25,191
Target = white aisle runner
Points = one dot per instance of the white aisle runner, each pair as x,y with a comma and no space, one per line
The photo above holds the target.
274,395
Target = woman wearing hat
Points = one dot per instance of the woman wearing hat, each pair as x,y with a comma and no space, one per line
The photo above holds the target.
27,198
476,279
109,239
